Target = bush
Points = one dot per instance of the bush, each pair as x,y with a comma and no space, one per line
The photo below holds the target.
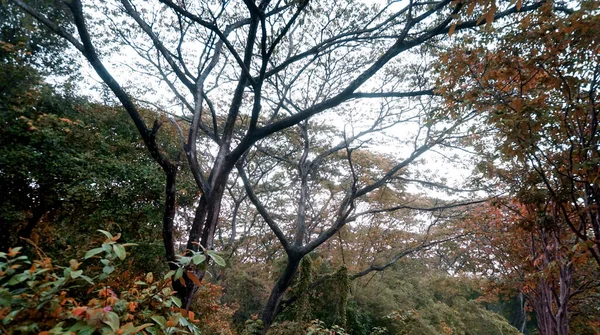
38,297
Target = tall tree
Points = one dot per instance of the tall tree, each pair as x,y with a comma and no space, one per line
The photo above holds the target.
262,68
536,90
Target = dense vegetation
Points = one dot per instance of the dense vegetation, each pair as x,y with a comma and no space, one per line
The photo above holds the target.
298,167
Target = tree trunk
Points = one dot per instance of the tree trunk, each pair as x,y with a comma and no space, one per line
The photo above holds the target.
551,308
562,316
26,231
169,212
203,229
519,319
284,281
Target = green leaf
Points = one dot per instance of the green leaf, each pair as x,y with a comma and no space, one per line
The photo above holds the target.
87,279
160,320
16,249
108,269
86,330
215,257
18,278
169,275
112,320
140,328
75,274
10,316
107,234
179,273
198,258
176,301
119,251
93,252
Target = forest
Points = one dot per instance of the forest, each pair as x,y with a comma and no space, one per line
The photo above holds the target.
292,167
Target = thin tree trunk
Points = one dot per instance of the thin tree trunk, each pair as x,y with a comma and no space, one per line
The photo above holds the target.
35,218
169,212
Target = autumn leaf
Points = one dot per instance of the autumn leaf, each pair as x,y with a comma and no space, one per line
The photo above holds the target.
471,7
78,311
451,30
193,278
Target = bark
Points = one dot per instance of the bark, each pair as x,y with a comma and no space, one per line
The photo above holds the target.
169,212
519,319
36,215
279,289
550,300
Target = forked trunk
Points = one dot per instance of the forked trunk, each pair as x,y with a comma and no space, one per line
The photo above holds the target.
203,230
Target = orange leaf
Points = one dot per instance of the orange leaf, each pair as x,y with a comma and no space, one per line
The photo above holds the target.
451,30
489,16
12,253
193,278
132,305
471,8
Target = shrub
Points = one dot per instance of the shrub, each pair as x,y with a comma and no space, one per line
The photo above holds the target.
39,297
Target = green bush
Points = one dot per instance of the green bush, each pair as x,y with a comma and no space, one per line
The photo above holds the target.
39,297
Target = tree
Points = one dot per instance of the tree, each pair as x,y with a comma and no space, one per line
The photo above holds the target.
525,249
415,297
539,101
264,68
538,140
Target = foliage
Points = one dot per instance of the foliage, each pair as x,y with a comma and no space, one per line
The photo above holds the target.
29,45
215,316
288,328
415,298
319,328
537,139
302,291
535,91
247,288
314,327
525,251
40,297
253,327
67,170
